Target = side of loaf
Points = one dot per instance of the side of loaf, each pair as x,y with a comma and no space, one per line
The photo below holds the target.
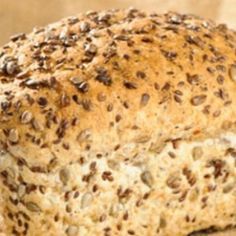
118,123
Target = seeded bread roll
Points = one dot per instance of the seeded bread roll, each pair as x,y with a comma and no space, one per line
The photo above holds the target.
118,123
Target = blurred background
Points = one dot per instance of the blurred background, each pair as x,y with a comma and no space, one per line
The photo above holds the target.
22,15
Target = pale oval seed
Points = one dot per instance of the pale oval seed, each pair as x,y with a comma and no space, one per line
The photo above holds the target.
147,178
144,99
197,153
84,135
26,117
13,136
173,182
86,200
72,230
232,72
64,176
115,209
228,188
31,206
198,100
21,190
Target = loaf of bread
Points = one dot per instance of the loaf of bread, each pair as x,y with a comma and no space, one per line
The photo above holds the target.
118,123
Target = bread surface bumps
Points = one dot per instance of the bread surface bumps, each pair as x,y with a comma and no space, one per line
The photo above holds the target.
118,122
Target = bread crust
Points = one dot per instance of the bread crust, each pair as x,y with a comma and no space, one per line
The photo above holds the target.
93,101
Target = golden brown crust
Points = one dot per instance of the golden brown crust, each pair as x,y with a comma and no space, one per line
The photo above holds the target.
78,91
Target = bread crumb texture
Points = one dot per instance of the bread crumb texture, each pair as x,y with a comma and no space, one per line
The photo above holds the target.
118,123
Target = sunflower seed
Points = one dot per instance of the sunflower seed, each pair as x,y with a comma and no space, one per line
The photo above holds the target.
144,99
232,72
147,178
86,200
31,206
197,153
64,176
21,190
198,100
72,230
11,67
84,27
26,117
13,136
84,135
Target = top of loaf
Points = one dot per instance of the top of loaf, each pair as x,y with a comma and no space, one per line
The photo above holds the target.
97,81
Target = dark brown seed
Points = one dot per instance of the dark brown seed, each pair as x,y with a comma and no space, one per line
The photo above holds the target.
141,74
169,55
193,79
194,40
130,85
17,37
106,80
218,167
103,76
109,107
131,232
86,104
166,87
118,118
177,99
144,99
42,101
198,100
146,39
220,79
